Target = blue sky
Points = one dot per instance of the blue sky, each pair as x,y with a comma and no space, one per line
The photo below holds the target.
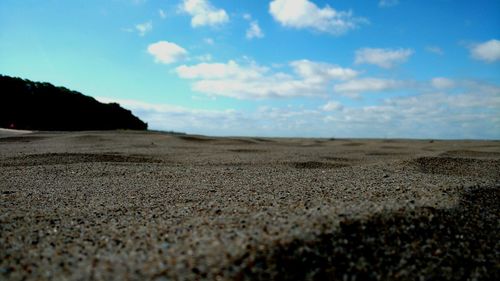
308,68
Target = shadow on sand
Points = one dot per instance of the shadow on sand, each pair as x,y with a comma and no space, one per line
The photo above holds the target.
461,243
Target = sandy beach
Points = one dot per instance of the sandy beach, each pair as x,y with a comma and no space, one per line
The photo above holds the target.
127,205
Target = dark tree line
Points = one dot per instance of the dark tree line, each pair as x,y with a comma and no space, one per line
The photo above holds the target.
29,105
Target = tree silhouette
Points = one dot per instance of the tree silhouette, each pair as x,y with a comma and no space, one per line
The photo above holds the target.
29,105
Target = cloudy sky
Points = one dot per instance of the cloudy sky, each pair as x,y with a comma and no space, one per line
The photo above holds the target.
309,68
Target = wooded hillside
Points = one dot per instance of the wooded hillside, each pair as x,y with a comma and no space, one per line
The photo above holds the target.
29,105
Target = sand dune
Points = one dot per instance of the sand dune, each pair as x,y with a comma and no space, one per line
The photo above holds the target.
150,206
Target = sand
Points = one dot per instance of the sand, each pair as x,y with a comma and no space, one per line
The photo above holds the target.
10,132
128,205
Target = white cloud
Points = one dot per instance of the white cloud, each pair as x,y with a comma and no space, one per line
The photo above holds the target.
184,119
332,106
231,70
322,72
305,14
254,31
357,86
388,3
162,13
166,52
435,50
442,83
469,113
488,51
386,58
251,81
247,16
203,13
144,28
